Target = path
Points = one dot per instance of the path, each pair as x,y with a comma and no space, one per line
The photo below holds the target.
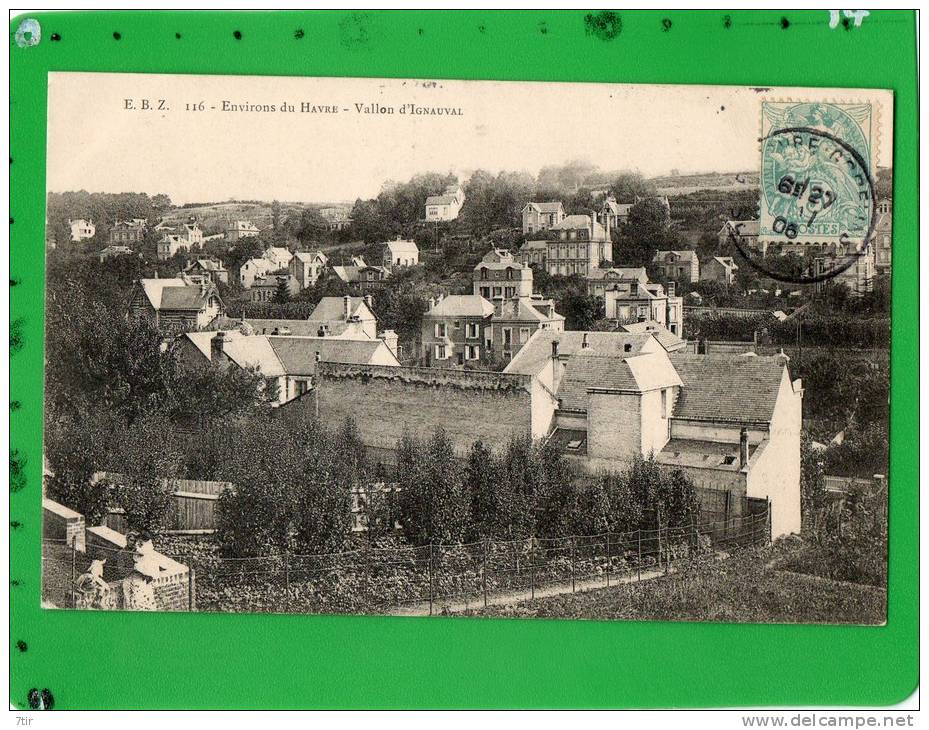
476,602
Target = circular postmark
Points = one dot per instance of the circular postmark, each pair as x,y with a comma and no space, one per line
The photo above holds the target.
816,199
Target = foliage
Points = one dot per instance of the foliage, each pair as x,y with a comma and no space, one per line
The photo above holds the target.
290,491
812,484
646,231
281,292
433,504
144,456
863,453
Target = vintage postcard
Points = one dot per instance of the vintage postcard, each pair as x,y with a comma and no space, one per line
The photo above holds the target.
473,348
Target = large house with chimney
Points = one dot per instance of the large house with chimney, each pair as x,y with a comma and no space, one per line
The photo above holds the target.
183,304
579,244
447,206
306,267
731,422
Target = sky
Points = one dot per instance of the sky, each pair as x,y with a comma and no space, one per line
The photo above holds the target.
102,138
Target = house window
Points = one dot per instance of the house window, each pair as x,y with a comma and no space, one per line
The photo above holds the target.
664,403
485,292
509,273
483,273
457,324
523,334
440,352
498,291
507,337
473,331
440,328
302,387
472,352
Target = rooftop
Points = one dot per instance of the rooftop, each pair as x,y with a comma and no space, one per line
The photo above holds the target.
548,207
588,370
703,454
536,353
332,309
736,388
461,305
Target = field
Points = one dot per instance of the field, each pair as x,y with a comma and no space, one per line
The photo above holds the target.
749,587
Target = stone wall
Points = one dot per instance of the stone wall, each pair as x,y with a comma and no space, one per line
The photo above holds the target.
387,402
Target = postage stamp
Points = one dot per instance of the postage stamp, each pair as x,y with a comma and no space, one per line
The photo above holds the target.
816,183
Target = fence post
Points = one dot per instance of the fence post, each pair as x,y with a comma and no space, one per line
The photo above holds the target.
430,578
609,562
572,562
190,587
769,522
694,538
73,576
531,572
638,565
484,571
667,547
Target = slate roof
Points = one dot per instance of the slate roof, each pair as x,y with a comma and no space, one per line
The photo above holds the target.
297,327
666,337
548,207
402,247
736,388
298,354
175,294
462,305
244,351
308,257
532,245
688,255
206,265
537,351
574,222
332,309
636,273
590,369
726,261
748,228
521,310
440,200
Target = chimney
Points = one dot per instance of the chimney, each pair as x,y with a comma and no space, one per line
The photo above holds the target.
318,358
554,349
369,301
672,288
217,343
431,302
348,306
321,332
743,447
584,343
498,306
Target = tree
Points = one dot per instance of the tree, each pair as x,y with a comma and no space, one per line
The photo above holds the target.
482,481
628,187
812,484
281,292
646,230
288,494
143,458
581,310
433,503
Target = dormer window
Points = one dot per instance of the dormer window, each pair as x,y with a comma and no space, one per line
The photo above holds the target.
483,273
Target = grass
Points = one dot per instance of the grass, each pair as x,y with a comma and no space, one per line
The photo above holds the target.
745,588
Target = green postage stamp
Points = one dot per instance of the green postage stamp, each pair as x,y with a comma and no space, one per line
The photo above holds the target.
816,174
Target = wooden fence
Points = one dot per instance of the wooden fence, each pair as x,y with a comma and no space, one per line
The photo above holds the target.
194,507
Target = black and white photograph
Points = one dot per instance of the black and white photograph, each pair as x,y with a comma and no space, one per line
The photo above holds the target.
467,348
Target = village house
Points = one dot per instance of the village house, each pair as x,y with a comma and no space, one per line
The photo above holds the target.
678,265
745,233
335,316
613,214
280,256
82,229
128,232
666,338
113,251
362,277
720,269
515,320
542,216
447,206
453,329
184,237
209,268
732,423
499,275
254,269
580,244
241,229
288,361
183,304
627,299
265,288
858,277
532,252
600,280
307,267
400,254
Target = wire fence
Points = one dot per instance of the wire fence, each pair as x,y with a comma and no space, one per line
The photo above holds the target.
431,578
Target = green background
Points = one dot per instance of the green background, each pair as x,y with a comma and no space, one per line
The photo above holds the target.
106,660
